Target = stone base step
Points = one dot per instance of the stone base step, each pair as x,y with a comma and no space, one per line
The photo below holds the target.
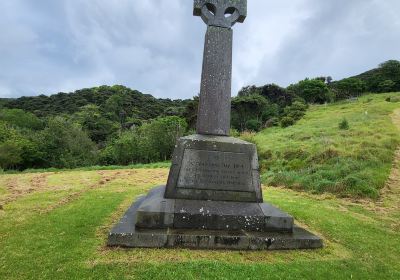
126,234
156,212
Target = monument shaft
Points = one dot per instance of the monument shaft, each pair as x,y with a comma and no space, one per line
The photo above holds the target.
215,94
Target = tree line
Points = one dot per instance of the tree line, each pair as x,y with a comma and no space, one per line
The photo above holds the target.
116,125
256,108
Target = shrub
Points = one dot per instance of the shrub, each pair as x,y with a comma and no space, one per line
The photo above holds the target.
287,121
253,125
393,99
344,124
233,133
271,122
271,111
296,111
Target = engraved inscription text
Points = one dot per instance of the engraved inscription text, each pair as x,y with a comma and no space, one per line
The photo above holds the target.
210,170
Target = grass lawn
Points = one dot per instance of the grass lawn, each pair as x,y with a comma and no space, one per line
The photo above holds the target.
54,226
316,156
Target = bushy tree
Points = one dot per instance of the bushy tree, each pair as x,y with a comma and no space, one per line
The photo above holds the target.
114,108
190,113
123,150
350,87
387,86
153,141
10,155
391,70
276,95
10,151
64,144
249,90
158,137
311,90
246,108
93,121
17,150
271,111
20,118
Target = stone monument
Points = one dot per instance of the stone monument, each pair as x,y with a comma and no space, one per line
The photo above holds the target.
213,197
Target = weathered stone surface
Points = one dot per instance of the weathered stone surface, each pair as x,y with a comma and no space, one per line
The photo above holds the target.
221,13
213,198
156,211
215,92
214,168
218,215
125,234
275,219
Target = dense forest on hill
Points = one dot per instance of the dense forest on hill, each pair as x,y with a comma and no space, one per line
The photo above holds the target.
116,101
117,125
385,78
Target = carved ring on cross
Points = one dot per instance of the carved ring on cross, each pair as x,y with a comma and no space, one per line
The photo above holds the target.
221,13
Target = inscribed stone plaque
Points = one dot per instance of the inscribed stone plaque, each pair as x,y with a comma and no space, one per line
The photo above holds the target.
215,170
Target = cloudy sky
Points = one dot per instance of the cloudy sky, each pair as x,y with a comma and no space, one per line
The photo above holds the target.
155,46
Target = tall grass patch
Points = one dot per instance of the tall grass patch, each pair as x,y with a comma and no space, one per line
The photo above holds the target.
318,155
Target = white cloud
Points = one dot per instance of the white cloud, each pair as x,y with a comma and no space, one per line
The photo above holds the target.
156,46
5,91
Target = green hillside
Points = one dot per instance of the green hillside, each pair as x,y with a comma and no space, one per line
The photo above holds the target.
384,78
115,100
317,156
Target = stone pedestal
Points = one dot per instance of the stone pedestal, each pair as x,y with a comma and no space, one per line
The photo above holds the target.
214,168
213,200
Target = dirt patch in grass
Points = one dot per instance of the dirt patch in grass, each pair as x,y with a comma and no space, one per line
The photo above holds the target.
118,180
18,187
106,177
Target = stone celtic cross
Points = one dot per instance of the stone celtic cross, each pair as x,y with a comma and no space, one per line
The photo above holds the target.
215,93
213,197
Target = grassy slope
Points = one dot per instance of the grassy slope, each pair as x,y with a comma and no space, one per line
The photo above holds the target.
54,226
317,156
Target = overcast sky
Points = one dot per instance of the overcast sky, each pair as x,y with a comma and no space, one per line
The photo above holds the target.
155,46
